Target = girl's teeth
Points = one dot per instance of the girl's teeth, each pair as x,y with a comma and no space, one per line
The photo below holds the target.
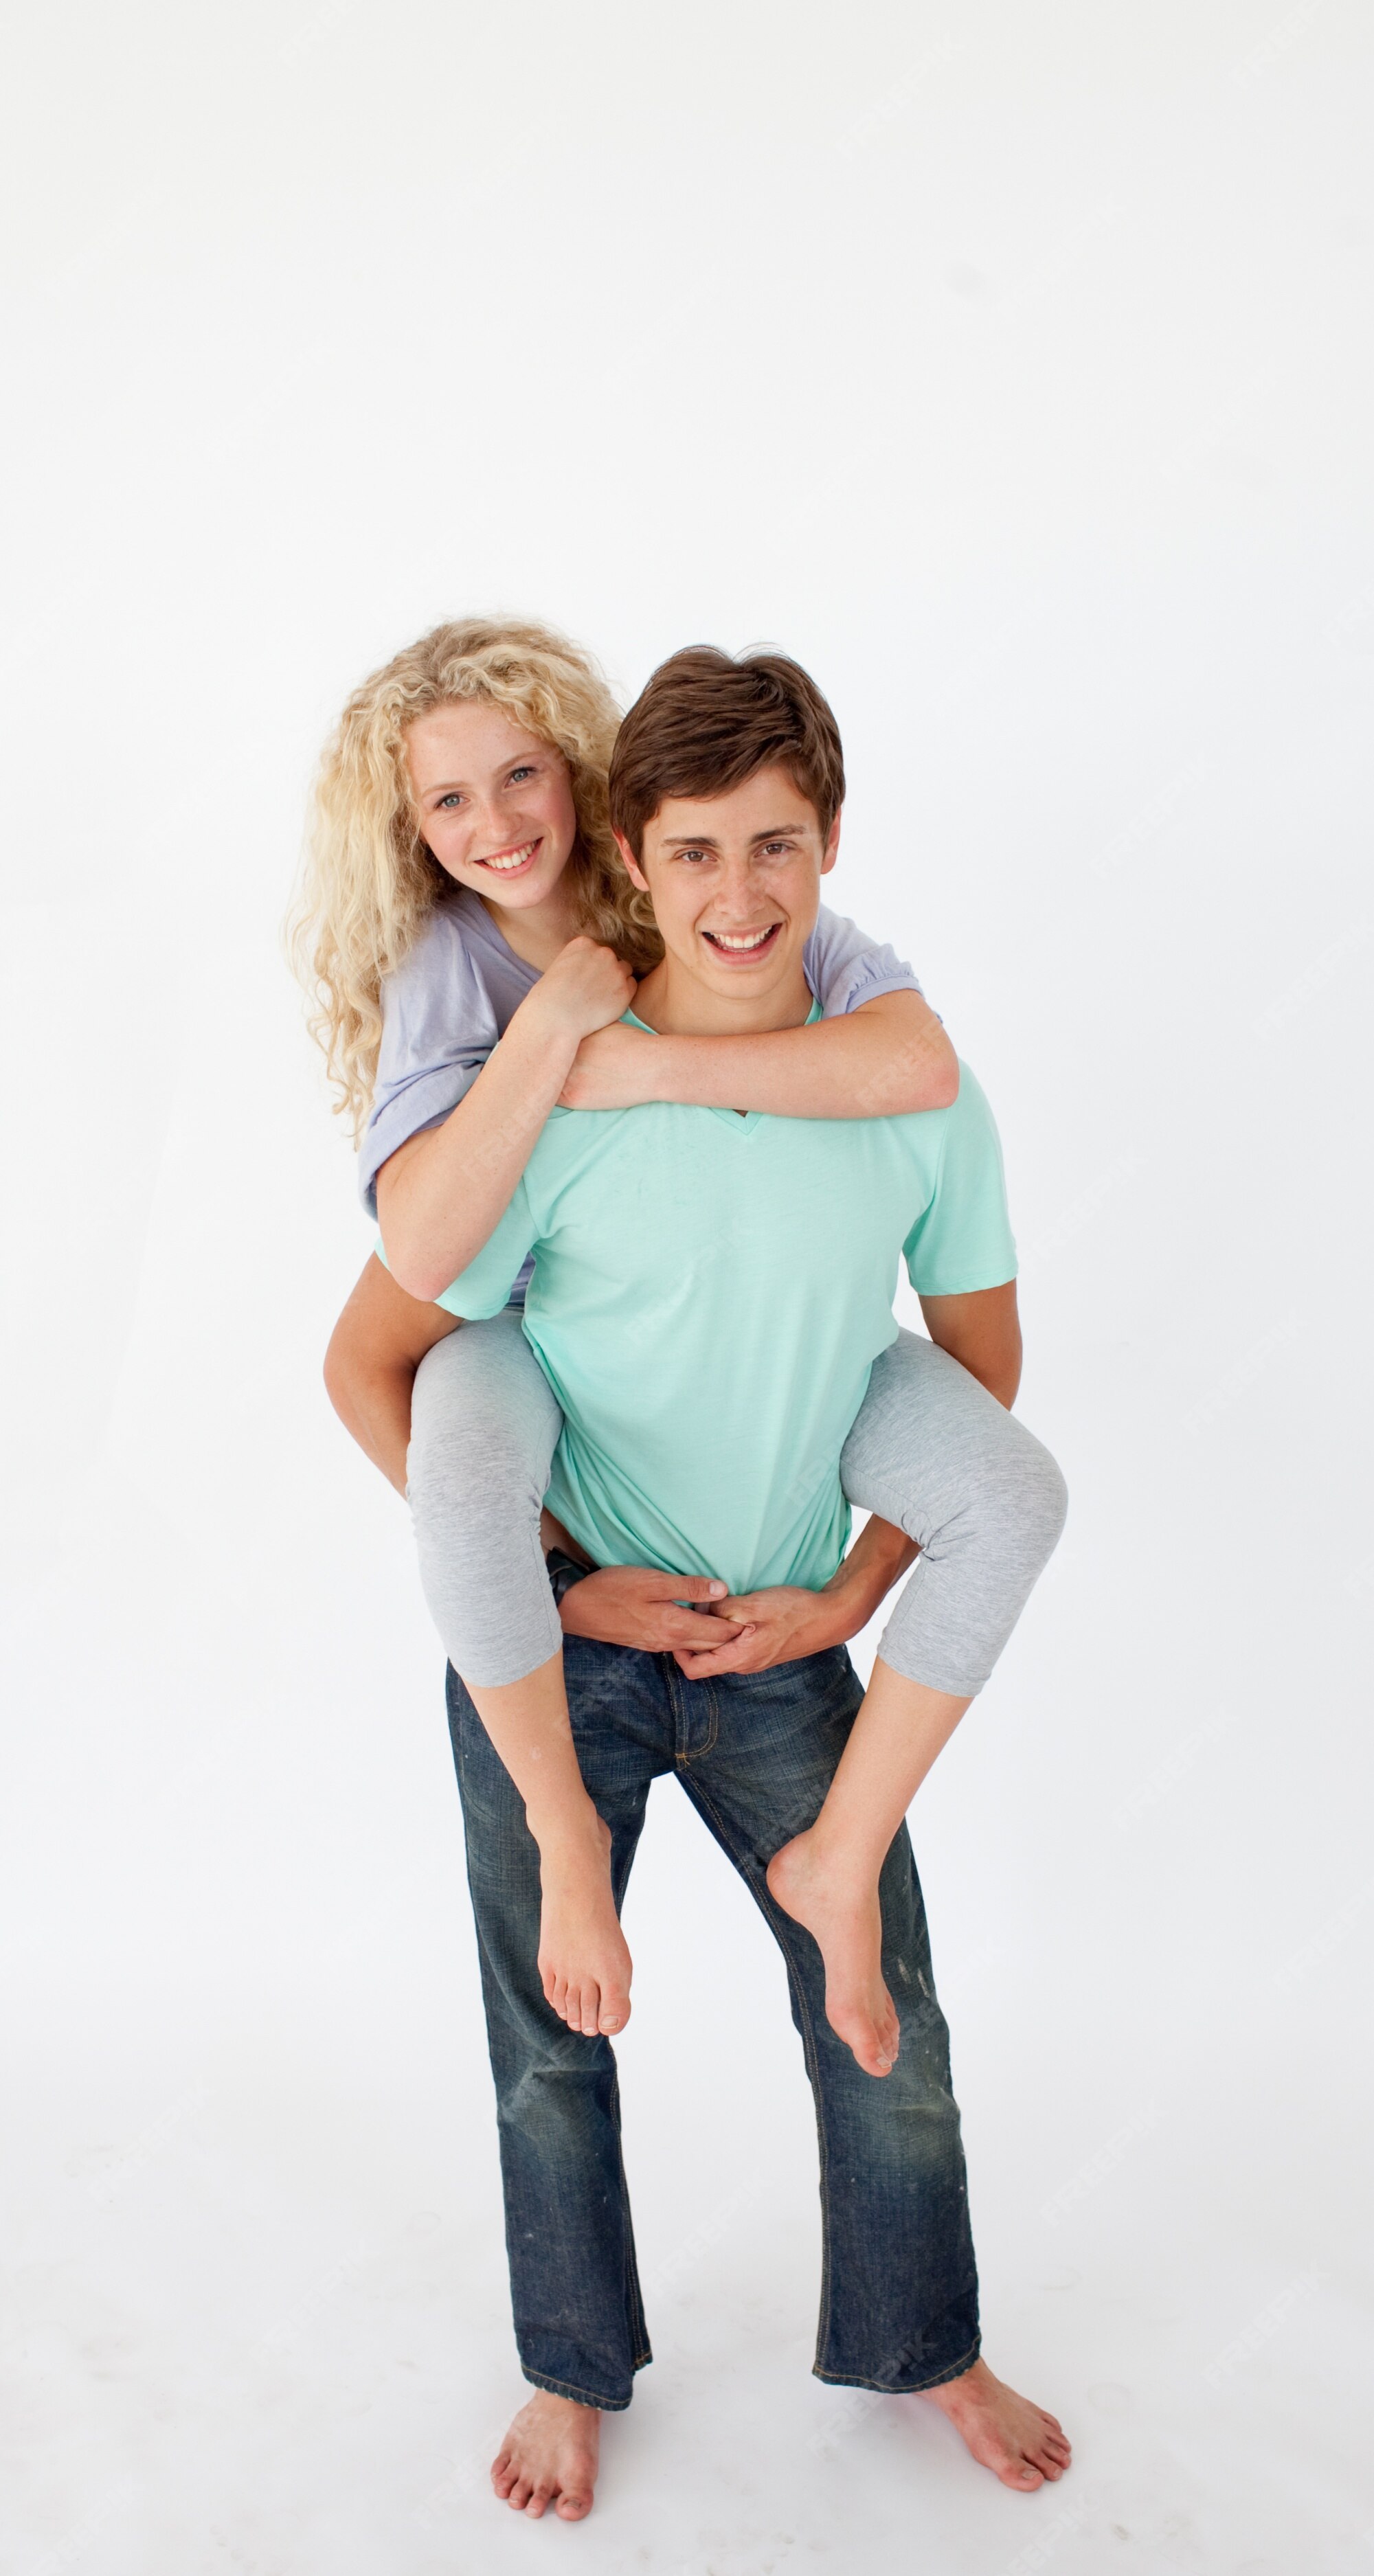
514,859
723,941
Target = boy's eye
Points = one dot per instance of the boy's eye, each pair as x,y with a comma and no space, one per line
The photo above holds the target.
776,849
693,855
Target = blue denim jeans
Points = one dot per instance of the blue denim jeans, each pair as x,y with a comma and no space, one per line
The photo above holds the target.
755,1753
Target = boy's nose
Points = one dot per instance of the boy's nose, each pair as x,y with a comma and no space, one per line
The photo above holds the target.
737,896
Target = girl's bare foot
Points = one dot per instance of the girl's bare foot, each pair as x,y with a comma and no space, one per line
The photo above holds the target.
1020,2443
549,2457
843,1918
583,1960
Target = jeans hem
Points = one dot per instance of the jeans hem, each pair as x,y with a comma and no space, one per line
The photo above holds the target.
905,2387
584,2396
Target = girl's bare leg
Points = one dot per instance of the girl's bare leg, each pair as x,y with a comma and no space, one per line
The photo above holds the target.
827,1878
934,1453
583,1959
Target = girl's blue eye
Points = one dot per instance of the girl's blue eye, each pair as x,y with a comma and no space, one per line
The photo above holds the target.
453,798
526,772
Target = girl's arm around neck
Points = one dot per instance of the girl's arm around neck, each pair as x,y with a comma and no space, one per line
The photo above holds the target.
883,1060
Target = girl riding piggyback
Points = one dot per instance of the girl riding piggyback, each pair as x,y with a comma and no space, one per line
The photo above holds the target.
472,942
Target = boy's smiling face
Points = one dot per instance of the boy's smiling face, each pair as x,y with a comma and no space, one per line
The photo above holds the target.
736,884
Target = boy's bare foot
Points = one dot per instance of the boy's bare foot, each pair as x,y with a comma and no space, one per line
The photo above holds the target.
844,1920
1020,2443
549,2457
583,1960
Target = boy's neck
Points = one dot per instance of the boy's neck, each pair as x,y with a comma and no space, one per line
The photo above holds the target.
679,1005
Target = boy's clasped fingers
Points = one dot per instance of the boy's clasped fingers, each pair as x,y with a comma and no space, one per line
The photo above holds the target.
740,1653
687,1632
770,1627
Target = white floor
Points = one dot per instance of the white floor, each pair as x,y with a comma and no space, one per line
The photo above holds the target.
257,2317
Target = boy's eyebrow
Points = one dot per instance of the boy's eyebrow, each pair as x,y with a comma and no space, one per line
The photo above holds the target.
708,841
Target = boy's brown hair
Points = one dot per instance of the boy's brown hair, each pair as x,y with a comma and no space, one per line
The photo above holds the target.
706,722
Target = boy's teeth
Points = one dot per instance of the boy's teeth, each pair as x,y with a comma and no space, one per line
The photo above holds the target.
752,939
511,859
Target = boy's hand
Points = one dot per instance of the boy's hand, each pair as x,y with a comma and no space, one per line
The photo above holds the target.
612,1069
776,1626
586,986
633,1605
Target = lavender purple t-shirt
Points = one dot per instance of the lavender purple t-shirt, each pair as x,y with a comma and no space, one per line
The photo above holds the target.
460,986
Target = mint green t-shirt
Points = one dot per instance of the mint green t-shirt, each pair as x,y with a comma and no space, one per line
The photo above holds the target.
710,1292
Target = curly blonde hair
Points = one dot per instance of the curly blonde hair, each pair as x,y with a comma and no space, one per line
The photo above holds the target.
369,881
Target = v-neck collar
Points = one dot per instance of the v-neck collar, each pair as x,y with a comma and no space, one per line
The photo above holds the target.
741,1122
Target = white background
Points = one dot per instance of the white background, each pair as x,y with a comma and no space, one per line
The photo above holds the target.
1010,365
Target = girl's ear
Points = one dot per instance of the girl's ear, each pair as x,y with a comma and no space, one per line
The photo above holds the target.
633,870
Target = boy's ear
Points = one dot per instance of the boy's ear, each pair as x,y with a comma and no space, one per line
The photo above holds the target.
832,847
633,870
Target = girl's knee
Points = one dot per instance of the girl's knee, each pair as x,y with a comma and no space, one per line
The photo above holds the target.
1023,1501
1044,1496
484,1425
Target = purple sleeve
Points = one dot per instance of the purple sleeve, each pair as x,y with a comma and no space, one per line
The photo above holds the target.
438,1029
844,967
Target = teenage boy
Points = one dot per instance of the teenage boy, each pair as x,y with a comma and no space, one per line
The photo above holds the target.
710,1294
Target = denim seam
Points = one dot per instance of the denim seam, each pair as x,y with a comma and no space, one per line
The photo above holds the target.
674,1681
637,2320
579,2396
781,1926
889,2388
641,2352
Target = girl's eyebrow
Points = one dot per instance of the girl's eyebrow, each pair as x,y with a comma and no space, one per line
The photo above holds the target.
461,787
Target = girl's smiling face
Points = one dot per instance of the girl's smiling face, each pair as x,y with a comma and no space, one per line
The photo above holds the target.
495,803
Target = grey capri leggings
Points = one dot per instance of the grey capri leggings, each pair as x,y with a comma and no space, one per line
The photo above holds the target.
930,1450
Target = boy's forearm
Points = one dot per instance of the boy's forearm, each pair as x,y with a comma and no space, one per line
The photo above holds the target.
441,1196
869,1063
878,1558
374,1407
982,1331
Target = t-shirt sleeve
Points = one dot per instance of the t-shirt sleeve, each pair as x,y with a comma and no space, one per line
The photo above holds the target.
963,1241
844,967
438,1029
484,1287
